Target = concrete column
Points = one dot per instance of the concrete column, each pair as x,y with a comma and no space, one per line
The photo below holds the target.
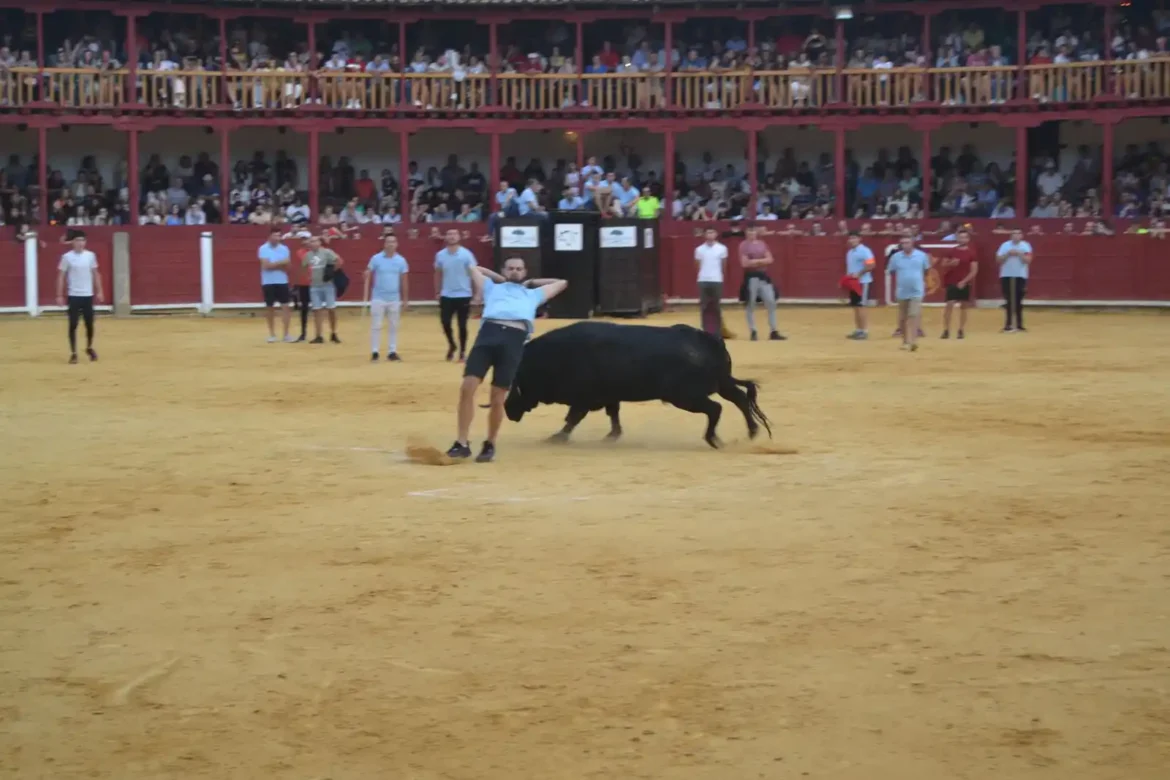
121,263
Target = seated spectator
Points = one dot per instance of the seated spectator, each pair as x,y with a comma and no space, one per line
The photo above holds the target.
195,214
174,216
150,217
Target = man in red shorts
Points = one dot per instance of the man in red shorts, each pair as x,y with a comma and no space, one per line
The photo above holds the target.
960,265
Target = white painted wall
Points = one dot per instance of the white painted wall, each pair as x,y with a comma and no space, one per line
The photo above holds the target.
375,149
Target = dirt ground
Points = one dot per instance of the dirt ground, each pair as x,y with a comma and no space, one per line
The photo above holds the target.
216,563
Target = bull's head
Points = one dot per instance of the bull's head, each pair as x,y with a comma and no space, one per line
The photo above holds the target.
515,405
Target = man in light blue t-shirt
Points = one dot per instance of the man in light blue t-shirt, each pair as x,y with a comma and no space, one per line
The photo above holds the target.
1015,259
859,264
509,310
453,266
391,293
909,266
274,258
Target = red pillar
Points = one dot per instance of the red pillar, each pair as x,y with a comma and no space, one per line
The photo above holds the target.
312,86
223,64
132,65
1021,54
1107,209
314,174
927,183
839,64
581,157
668,175
751,39
753,158
43,173
225,174
132,174
494,173
580,62
493,64
1022,170
404,174
40,93
839,195
1108,53
669,66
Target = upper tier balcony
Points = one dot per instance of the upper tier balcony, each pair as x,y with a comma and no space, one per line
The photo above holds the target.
758,93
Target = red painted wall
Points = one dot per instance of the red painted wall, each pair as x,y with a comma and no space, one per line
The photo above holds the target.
165,263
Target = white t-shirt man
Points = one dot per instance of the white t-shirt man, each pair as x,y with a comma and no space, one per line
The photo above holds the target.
79,268
711,257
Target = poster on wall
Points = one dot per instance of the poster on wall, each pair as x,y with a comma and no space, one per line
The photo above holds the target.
570,237
648,238
520,237
619,237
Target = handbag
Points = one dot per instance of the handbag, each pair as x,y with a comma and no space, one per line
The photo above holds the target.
340,281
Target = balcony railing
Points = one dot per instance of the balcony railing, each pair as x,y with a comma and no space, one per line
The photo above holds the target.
683,91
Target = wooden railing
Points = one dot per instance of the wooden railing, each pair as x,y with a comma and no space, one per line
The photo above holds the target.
683,91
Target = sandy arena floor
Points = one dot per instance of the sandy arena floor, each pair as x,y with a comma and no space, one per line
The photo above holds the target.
217,564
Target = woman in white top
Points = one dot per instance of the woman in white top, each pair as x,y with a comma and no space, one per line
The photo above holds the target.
79,218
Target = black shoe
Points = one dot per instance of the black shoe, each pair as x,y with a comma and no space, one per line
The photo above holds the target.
946,334
960,336
487,453
393,357
92,355
302,338
1008,329
1022,329
459,451
73,358
317,340
777,337
755,336
334,339
450,354
373,357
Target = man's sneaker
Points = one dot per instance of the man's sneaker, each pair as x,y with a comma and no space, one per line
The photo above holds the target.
459,451
896,333
73,358
1022,329
289,339
92,355
755,336
334,339
487,453
960,336
317,340
300,338
777,337
905,347
1008,329
450,354
914,347
946,334
373,357
393,357
272,339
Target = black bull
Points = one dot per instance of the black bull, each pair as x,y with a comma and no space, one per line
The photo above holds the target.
598,365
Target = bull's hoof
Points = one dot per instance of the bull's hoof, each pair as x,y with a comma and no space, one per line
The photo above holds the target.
560,437
714,442
613,435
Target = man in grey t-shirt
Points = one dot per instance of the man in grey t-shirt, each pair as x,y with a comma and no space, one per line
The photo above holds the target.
321,263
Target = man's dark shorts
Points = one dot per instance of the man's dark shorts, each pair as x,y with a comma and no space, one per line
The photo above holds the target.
862,299
274,294
955,293
500,348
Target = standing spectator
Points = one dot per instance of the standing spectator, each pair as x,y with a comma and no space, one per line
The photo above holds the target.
391,293
274,264
960,265
755,257
859,264
1015,260
322,264
79,268
909,265
711,263
453,266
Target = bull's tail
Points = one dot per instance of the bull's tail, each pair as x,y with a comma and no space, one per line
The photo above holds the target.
753,412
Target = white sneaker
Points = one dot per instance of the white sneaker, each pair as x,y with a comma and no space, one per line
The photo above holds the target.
272,339
288,339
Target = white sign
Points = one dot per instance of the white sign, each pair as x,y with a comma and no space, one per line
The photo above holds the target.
520,237
648,238
619,237
570,237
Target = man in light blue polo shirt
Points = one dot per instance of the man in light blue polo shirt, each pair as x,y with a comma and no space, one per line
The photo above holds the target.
625,193
274,258
509,311
530,200
859,264
453,266
909,265
1015,259
391,293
